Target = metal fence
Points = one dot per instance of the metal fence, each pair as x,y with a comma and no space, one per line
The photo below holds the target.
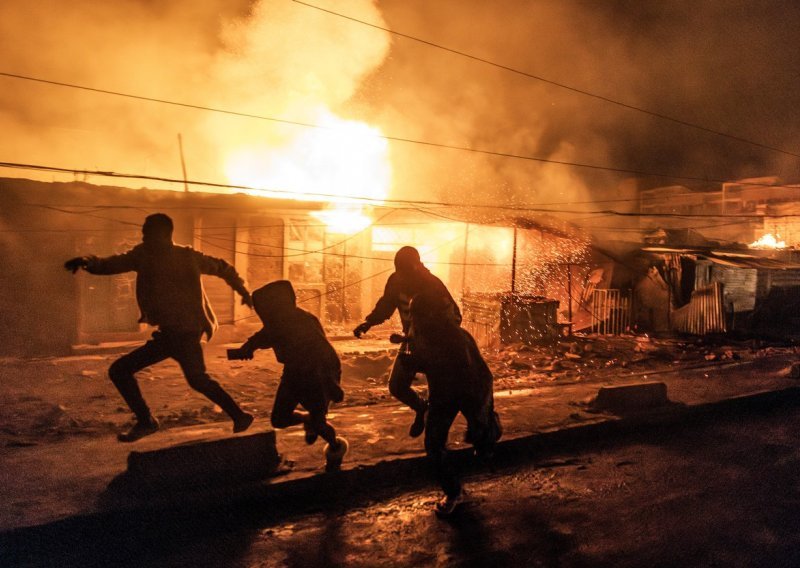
611,312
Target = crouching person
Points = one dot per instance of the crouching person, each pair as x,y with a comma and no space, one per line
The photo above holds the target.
311,372
458,381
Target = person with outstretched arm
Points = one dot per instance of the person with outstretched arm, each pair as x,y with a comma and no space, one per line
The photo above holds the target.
409,279
171,297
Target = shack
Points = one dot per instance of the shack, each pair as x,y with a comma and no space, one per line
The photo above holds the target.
338,268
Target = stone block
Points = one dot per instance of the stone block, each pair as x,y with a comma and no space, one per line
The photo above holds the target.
631,398
236,459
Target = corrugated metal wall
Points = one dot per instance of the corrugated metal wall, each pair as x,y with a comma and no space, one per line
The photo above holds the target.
703,314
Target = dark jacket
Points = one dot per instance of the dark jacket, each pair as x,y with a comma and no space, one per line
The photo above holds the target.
458,376
169,290
399,291
298,339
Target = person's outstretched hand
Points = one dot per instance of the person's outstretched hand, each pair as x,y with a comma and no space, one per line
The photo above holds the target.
75,264
361,329
247,299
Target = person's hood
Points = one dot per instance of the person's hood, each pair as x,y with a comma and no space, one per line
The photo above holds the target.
274,297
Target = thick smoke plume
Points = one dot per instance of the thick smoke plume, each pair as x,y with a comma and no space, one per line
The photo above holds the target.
727,65
269,58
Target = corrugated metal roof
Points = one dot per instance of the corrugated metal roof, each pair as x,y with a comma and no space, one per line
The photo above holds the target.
732,259
740,261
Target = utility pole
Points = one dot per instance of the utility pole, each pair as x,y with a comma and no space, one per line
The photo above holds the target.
514,264
183,164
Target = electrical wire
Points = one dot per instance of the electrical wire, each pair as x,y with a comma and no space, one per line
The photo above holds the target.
350,284
556,83
380,202
596,167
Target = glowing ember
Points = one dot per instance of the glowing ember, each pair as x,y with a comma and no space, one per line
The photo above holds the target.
768,241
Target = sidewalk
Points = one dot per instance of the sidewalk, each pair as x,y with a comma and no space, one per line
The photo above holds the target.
74,478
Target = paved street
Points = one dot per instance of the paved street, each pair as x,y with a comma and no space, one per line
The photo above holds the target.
713,493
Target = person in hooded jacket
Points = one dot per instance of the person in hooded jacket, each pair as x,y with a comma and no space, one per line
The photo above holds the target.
459,380
409,279
311,367
170,295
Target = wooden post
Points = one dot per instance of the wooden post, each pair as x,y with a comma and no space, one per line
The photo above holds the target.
464,262
514,264
569,292
183,164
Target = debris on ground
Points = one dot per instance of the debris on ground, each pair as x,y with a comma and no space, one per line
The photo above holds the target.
50,398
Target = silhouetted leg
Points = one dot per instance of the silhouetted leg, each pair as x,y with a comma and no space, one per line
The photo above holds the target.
319,424
284,409
480,428
188,352
122,373
437,426
400,385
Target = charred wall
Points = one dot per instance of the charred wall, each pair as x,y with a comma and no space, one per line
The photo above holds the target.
37,296
46,310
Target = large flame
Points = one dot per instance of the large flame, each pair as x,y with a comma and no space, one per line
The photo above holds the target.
768,241
344,158
339,163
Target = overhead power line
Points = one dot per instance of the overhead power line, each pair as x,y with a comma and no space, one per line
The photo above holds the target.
376,201
578,90
499,154
383,202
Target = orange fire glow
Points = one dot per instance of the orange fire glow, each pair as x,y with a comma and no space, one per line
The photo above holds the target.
334,164
768,241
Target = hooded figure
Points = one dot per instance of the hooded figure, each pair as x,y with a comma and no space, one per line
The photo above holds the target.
458,381
311,371
409,279
170,295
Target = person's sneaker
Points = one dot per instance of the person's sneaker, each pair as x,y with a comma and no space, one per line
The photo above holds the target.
311,434
448,505
418,427
243,422
139,430
335,454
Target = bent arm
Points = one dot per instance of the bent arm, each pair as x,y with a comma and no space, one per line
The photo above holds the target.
259,340
222,269
456,311
385,306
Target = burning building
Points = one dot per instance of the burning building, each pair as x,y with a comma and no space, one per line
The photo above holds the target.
338,259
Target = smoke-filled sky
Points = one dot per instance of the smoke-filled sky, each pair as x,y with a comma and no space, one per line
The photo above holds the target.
729,65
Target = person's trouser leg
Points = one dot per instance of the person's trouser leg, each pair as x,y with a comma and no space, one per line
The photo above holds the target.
122,373
284,408
400,385
482,427
188,352
437,427
318,423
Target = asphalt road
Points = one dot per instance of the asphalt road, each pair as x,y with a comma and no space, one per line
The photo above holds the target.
721,492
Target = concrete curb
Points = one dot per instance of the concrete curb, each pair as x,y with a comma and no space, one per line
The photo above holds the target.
277,499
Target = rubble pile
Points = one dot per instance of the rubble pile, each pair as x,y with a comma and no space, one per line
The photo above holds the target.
583,357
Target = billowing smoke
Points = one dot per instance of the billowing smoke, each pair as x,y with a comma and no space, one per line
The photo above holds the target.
270,58
730,66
